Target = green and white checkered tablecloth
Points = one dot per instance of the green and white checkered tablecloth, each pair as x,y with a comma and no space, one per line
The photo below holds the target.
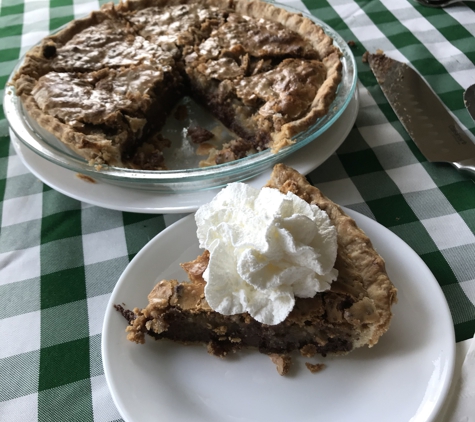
60,258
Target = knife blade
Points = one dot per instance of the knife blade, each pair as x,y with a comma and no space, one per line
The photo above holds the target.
425,118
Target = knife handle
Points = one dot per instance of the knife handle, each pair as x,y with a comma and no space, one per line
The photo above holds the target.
466,166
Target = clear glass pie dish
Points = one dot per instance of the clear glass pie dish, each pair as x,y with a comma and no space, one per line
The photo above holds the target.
184,174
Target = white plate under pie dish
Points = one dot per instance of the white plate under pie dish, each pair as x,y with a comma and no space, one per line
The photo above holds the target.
127,199
405,377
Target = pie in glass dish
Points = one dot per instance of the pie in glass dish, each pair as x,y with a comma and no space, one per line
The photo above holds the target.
354,312
105,84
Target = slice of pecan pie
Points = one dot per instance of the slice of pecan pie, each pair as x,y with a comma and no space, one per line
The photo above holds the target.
355,312
105,84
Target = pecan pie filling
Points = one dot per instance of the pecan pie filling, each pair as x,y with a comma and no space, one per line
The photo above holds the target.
106,84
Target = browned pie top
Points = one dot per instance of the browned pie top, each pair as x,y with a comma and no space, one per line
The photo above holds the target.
110,44
285,91
89,83
172,26
94,97
258,38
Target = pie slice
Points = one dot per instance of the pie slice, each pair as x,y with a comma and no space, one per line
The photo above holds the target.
355,312
105,84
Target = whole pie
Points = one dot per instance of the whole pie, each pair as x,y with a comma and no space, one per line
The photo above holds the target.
355,312
105,84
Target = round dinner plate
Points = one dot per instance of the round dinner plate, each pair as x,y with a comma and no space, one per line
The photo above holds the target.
121,198
405,377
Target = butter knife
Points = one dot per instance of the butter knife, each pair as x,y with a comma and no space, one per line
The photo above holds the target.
430,125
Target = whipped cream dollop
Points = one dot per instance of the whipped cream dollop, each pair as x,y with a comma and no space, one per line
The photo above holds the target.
266,248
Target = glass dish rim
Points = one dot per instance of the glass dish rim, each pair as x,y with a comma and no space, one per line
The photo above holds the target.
259,161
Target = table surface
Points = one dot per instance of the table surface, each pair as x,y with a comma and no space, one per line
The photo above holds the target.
60,258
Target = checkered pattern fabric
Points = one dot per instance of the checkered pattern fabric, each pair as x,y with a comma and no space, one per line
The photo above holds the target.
60,258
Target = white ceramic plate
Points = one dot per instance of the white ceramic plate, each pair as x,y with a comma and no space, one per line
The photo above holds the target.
405,377
120,198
